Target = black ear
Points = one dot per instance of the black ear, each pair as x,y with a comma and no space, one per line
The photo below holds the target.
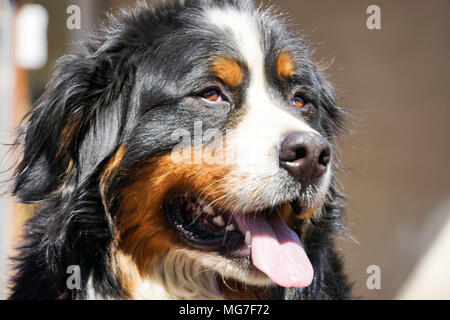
73,126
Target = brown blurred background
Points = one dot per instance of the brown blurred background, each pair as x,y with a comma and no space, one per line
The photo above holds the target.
394,83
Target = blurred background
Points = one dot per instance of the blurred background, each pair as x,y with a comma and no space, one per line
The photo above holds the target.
394,81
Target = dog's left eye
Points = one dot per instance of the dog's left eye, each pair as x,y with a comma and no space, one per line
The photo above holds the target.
298,101
213,95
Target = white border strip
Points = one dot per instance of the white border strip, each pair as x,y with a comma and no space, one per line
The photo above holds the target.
431,277
7,80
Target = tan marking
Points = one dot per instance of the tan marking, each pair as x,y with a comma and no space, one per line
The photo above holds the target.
144,232
286,211
128,273
113,163
228,70
71,129
69,167
308,213
68,134
285,65
295,222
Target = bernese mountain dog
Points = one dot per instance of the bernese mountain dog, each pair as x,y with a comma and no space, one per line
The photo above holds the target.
187,152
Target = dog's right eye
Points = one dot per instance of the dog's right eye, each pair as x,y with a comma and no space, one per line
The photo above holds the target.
213,95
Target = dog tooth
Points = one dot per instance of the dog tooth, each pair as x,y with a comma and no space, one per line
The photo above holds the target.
230,228
209,210
248,237
218,221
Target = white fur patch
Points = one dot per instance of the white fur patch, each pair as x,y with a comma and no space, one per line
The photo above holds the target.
257,177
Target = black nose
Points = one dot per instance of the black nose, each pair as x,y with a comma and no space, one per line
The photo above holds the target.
305,156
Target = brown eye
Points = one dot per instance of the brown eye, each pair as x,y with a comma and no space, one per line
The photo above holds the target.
213,95
298,102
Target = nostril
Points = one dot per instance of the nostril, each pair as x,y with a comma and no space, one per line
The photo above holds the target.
300,153
324,158
293,148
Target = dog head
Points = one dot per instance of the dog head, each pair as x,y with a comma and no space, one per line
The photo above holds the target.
190,141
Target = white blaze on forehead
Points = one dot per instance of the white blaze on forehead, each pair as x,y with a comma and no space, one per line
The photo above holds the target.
246,36
263,125
261,109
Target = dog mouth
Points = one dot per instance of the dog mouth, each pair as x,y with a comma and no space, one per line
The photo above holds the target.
203,226
261,236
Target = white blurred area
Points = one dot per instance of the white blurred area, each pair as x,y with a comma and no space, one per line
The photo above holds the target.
430,278
23,47
7,79
31,37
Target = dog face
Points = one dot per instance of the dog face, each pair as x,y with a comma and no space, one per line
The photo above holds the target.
207,133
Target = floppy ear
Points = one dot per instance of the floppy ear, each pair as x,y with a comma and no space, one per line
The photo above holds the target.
74,125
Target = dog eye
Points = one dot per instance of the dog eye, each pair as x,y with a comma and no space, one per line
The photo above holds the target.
213,95
298,101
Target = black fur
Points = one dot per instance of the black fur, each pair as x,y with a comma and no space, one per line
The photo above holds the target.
133,84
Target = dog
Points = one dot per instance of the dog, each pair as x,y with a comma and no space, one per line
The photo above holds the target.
188,152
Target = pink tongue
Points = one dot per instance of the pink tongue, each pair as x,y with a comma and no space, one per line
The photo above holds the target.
277,251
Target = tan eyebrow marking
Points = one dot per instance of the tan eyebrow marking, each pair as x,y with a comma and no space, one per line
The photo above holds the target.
285,65
114,163
228,70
